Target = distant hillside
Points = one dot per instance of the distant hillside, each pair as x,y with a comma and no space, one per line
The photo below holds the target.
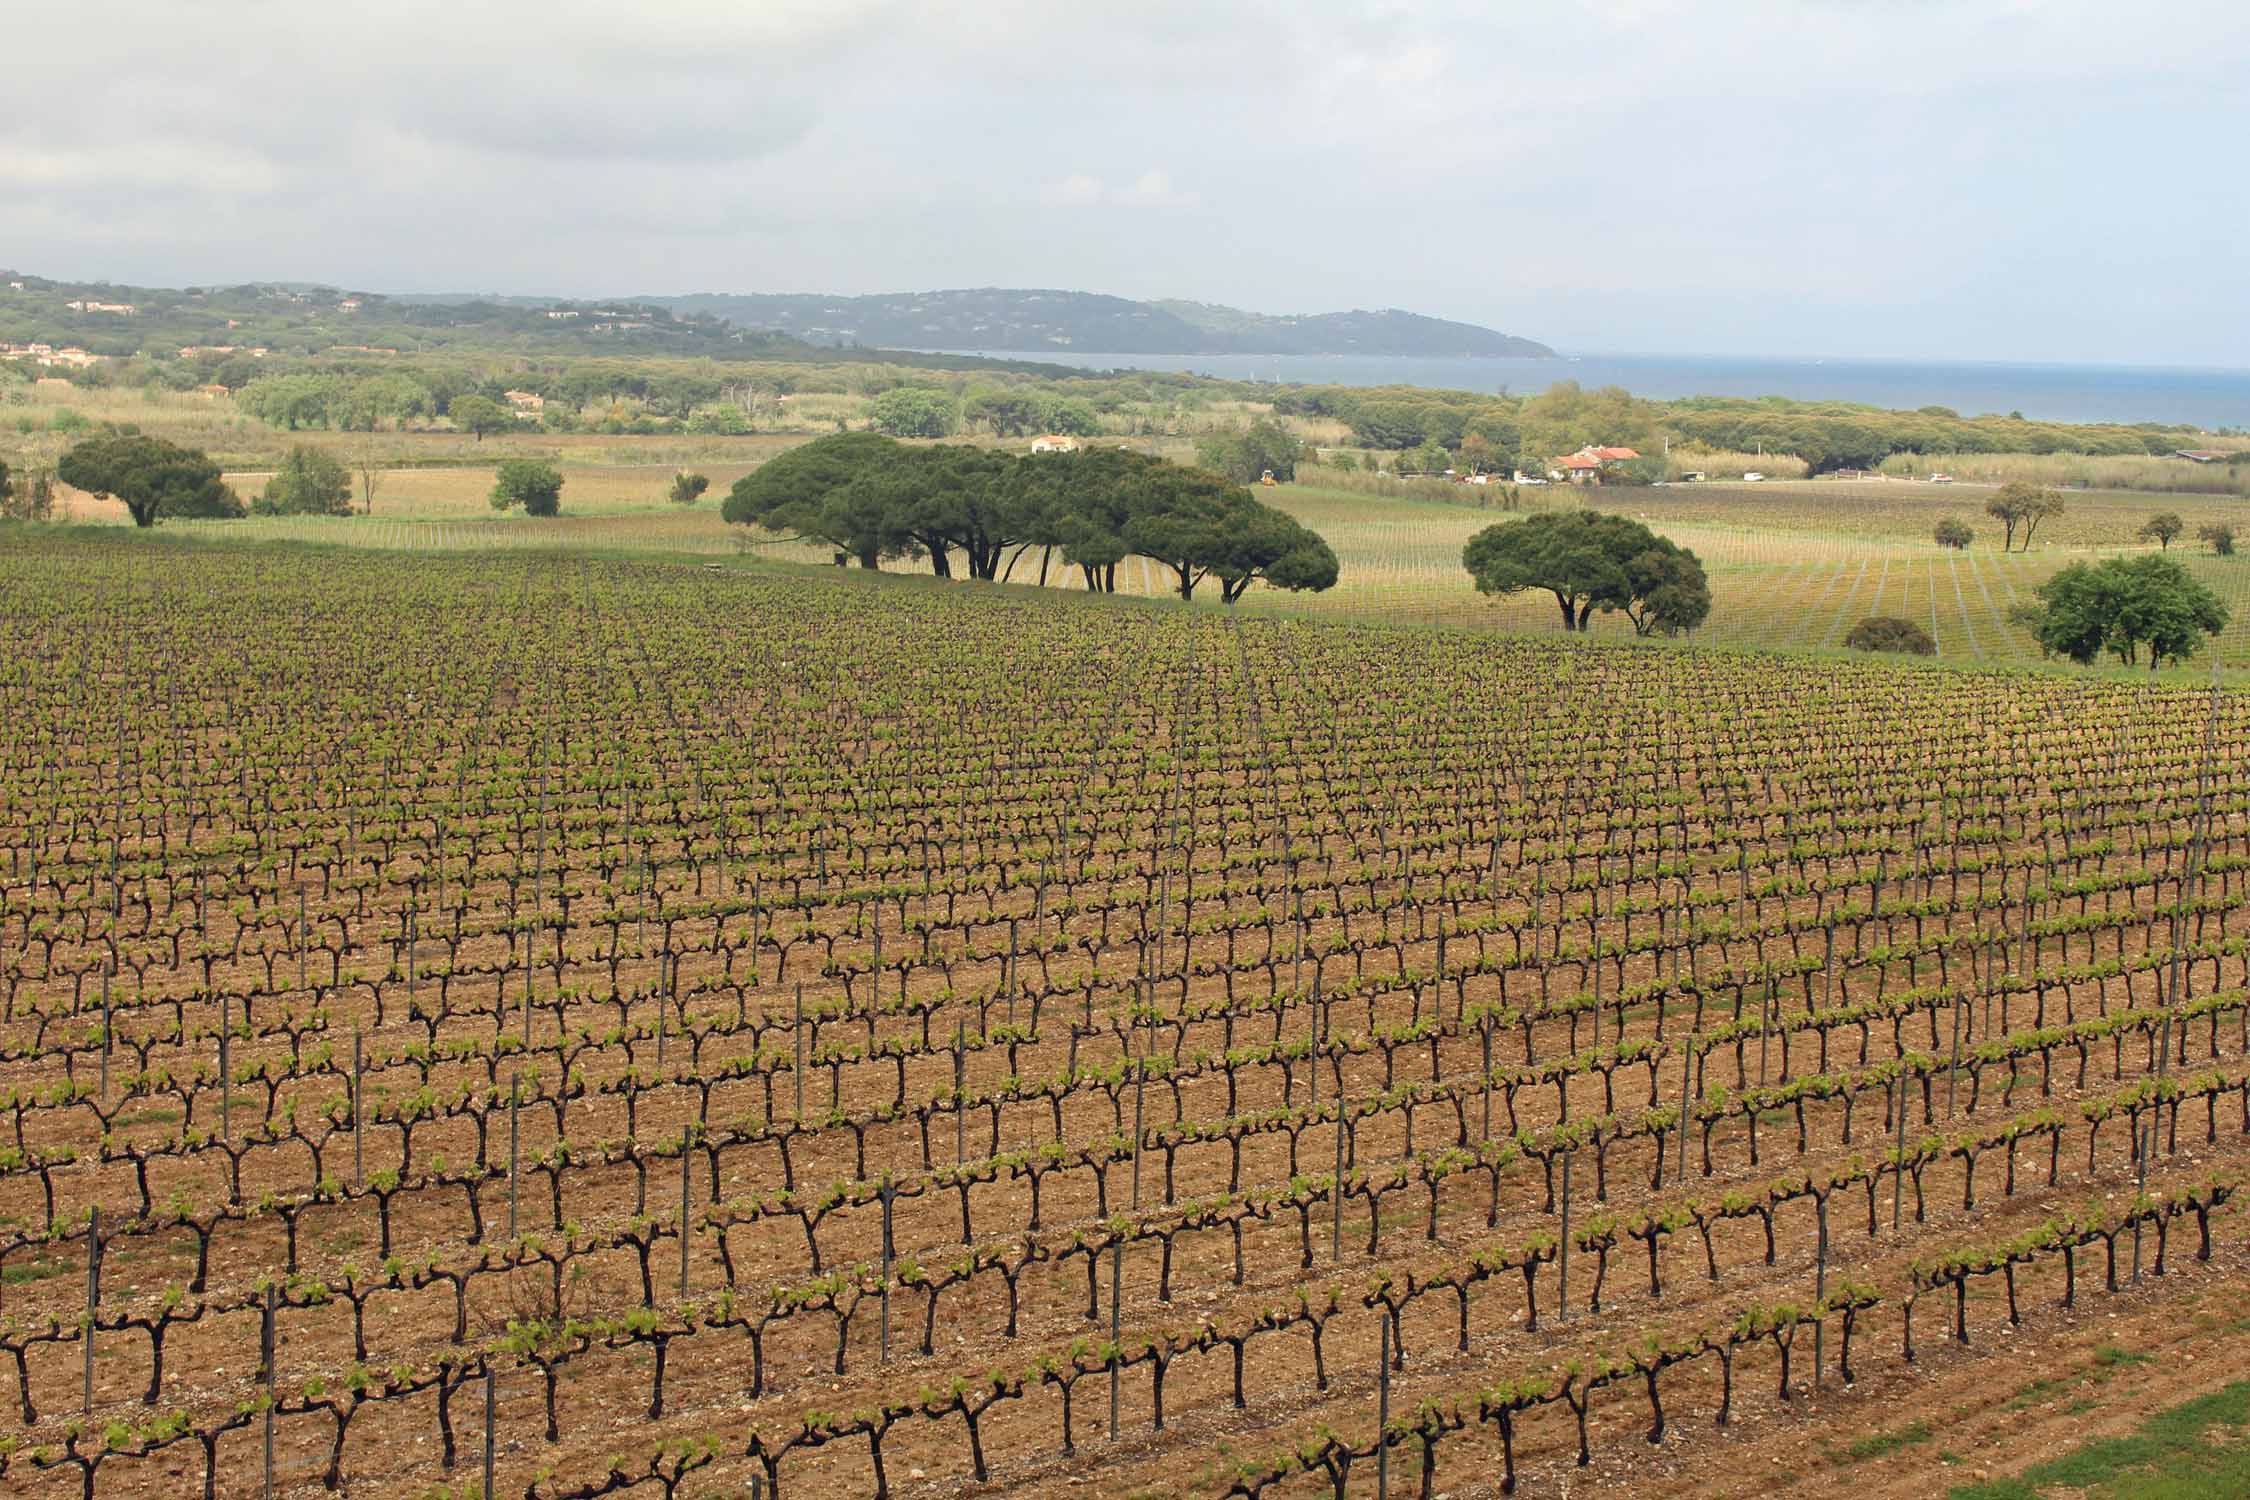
304,320
1025,320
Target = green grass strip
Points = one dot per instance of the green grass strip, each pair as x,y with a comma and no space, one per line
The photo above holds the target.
2174,1455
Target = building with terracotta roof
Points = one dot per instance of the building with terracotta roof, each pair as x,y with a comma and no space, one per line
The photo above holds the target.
1586,465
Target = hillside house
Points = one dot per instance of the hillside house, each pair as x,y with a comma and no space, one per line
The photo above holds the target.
526,401
1054,442
1588,463
120,309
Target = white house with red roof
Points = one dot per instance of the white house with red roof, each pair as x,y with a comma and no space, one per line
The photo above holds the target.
1586,465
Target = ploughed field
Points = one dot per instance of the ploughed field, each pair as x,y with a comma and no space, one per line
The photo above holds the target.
694,1031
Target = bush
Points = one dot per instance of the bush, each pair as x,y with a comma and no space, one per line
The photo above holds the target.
1953,533
1247,456
1889,633
914,411
309,483
527,482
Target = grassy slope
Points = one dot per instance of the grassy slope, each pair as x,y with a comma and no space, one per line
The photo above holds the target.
2193,1451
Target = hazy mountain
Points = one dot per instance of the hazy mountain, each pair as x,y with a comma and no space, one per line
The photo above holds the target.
1014,319
315,320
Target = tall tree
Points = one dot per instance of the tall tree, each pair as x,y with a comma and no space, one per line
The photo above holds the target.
1591,561
478,414
2018,504
1078,503
1263,544
963,499
1669,592
154,478
2123,605
371,476
1199,526
788,495
1179,520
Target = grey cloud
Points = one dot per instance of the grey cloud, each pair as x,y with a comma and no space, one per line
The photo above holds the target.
1843,176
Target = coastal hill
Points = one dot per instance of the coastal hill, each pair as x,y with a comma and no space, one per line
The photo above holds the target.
303,318
76,324
1024,320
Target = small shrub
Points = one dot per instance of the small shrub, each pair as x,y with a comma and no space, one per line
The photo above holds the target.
535,486
1889,633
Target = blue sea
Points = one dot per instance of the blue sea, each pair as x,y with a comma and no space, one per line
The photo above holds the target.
2207,398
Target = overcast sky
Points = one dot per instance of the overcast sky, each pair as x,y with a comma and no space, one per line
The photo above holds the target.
1995,179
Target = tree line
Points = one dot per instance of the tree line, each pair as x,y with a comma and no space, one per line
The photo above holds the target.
2020,506
974,512
1827,435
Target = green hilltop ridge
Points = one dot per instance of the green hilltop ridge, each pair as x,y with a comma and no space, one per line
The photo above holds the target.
1022,320
306,320
311,319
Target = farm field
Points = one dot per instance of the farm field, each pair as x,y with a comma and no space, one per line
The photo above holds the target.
858,1036
1793,566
